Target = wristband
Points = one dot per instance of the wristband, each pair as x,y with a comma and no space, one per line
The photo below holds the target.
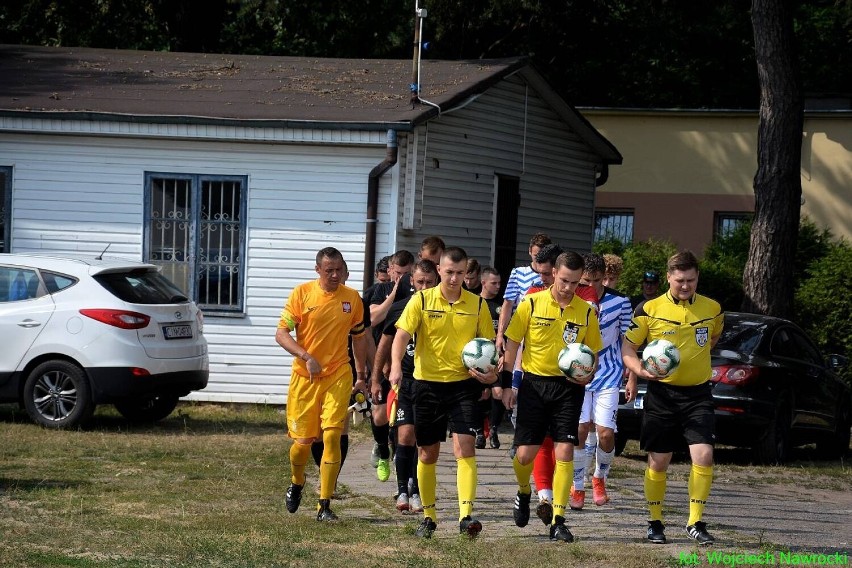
506,379
517,376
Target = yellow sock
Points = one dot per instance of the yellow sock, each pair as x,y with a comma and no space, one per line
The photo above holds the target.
700,479
562,477
427,479
466,485
299,456
330,466
655,492
522,474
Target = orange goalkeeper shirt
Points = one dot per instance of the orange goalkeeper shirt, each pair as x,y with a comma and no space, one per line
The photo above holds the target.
323,322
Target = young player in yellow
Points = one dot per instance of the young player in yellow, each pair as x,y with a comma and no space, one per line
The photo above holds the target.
444,319
680,405
547,401
323,313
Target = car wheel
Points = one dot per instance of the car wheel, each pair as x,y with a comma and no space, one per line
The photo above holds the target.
774,447
56,395
836,444
148,409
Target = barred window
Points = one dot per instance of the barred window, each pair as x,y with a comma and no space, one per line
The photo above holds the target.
727,223
195,230
5,209
614,224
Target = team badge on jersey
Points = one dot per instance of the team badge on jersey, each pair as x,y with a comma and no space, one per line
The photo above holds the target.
702,334
569,334
347,308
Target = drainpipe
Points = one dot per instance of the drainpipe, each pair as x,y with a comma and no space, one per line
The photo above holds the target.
604,175
373,207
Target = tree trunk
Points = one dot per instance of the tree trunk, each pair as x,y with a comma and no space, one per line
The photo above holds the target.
768,277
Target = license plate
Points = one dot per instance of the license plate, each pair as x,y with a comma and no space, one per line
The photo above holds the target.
177,331
639,403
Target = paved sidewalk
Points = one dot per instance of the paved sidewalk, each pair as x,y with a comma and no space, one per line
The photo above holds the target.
741,517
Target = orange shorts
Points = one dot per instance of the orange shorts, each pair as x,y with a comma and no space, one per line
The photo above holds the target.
321,404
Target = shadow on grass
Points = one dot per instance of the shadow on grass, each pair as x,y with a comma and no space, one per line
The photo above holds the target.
29,485
188,418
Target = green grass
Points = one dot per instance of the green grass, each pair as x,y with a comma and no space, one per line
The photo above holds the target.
205,488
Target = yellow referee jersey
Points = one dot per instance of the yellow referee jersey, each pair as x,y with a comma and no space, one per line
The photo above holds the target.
690,325
441,330
323,322
545,329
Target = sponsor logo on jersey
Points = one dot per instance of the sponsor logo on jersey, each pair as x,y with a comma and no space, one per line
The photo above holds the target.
702,334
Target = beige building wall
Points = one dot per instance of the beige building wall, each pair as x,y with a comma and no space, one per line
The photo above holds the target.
682,167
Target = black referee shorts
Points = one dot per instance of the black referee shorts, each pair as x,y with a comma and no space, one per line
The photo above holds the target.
438,404
674,413
548,405
405,401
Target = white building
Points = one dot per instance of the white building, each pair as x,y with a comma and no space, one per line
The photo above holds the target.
232,171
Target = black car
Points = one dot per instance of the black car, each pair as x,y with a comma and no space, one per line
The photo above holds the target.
772,389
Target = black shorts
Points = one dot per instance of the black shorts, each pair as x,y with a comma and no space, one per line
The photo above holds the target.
674,413
405,401
548,405
438,404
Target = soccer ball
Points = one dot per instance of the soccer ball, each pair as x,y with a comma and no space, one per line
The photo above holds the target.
660,357
578,362
480,354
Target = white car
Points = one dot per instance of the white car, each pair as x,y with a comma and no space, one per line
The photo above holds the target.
81,331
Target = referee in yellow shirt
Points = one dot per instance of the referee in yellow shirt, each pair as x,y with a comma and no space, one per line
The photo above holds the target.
444,319
680,405
323,313
545,322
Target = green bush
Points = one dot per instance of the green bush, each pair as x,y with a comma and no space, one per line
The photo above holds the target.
824,301
811,246
639,257
722,268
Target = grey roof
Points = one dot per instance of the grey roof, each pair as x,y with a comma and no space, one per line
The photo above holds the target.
309,92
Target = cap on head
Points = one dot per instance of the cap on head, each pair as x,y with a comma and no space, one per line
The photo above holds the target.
650,276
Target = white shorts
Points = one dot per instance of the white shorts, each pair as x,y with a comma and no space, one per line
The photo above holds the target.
601,407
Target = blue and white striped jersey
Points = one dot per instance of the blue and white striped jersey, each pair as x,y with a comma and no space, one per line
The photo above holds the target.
520,280
614,315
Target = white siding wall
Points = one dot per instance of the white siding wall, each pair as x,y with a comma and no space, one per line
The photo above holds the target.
80,193
464,150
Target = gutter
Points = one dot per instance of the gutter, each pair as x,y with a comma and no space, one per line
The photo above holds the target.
373,206
404,126
603,176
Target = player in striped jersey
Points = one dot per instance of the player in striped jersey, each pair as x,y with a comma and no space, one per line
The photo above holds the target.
520,280
601,401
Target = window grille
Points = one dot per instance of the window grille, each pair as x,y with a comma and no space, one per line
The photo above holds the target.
614,225
195,231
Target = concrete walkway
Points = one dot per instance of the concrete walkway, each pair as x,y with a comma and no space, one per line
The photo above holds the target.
742,517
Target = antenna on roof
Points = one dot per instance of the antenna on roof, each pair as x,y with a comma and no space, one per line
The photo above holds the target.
420,15
101,256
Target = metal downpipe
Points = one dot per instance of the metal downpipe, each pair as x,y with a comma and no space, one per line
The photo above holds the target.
373,206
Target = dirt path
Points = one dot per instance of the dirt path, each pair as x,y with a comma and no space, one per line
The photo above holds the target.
754,517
